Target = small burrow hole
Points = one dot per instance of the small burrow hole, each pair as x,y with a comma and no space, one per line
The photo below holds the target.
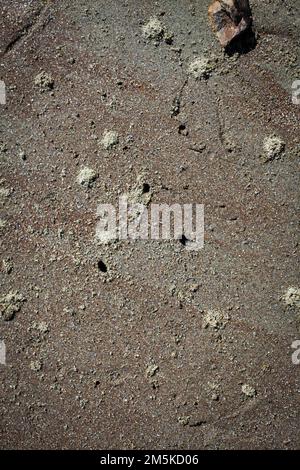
183,240
182,129
102,266
146,188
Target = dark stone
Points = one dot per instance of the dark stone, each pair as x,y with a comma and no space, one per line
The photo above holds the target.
230,19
